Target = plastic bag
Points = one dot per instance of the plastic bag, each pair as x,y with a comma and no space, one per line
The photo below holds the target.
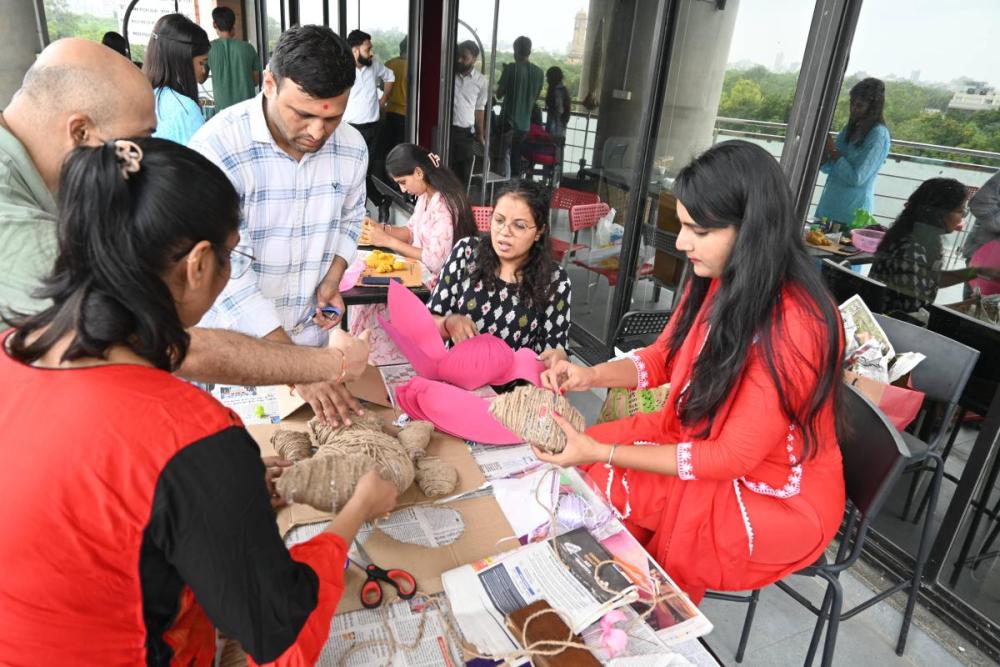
602,232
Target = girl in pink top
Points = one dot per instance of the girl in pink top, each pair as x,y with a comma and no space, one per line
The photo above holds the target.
441,217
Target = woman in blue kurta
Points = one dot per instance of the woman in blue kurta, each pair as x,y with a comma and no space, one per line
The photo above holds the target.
852,162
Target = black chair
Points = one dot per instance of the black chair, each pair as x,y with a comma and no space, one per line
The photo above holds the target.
942,377
874,457
844,283
637,328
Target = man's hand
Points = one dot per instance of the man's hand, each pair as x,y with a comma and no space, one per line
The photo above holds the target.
331,401
273,467
328,294
355,352
460,327
581,449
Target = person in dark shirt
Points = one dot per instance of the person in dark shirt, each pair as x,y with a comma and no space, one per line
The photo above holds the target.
909,257
505,283
144,516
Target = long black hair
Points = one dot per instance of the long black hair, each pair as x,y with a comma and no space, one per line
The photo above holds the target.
930,204
738,184
871,91
116,238
535,275
404,159
174,42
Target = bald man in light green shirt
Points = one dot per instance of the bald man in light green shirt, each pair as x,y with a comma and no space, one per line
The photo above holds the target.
27,227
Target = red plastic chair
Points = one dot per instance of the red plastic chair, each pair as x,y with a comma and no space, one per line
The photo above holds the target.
567,198
483,215
581,216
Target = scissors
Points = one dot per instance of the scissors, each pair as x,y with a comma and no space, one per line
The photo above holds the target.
371,592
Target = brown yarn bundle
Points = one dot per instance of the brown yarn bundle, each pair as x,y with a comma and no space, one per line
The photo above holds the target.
292,445
326,479
526,411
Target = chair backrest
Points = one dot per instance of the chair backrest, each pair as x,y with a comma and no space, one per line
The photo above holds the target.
642,324
873,451
943,374
844,283
483,215
566,198
583,216
981,336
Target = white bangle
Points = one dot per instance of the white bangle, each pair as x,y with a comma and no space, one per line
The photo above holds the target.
611,455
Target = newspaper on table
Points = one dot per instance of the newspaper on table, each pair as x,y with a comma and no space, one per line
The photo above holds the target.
483,593
427,526
502,461
867,350
368,627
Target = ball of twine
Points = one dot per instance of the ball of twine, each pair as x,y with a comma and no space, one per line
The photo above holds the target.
527,412
292,445
415,437
436,477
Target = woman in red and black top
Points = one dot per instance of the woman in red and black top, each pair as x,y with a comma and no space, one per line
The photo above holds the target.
137,517
738,480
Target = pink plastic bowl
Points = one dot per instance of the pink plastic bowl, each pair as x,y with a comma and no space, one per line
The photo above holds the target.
866,240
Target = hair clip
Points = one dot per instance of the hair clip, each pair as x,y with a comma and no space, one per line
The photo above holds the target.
154,35
435,159
129,155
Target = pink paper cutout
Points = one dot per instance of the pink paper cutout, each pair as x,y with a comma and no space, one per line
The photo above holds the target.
988,256
456,411
351,275
473,363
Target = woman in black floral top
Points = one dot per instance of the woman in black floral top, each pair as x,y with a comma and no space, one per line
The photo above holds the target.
908,259
506,284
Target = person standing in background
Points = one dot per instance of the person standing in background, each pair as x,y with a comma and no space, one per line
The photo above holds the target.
175,65
468,133
233,62
393,130
985,206
852,162
364,104
519,86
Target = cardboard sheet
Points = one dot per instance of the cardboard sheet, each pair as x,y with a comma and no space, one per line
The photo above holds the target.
486,528
411,275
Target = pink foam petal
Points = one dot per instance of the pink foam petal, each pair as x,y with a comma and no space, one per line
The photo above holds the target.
987,255
459,412
410,315
405,402
351,275
526,366
423,363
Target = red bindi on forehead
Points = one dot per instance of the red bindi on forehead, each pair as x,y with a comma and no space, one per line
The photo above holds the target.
325,106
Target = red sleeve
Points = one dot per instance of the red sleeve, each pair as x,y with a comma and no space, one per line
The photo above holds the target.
755,424
325,554
653,363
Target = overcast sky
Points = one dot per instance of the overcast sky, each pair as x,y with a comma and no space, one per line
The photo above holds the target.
943,40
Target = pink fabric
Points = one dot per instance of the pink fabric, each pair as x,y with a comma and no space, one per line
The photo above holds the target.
987,256
484,359
433,231
455,411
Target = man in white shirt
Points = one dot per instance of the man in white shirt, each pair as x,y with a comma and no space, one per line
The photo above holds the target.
364,104
300,175
468,111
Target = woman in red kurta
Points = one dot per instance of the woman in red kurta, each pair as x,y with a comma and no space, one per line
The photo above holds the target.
738,480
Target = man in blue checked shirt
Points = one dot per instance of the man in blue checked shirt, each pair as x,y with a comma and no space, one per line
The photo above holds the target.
301,178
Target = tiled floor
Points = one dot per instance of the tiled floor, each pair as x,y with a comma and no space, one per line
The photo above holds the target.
782,628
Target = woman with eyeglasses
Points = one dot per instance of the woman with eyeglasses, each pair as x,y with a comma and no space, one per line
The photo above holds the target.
910,256
139,516
506,283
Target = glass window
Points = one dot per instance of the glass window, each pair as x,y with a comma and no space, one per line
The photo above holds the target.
311,12
724,82
934,70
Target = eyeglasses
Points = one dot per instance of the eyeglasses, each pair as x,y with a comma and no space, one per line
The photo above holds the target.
239,262
516,226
